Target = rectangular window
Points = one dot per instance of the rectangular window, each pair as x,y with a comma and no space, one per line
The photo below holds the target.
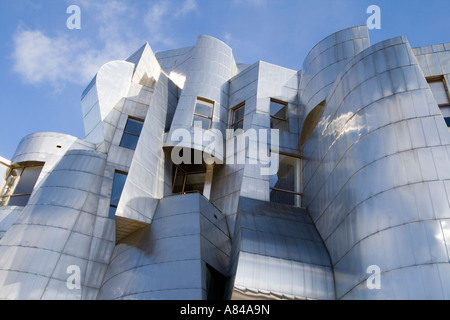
118,185
189,178
19,185
204,109
279,115
285,186
131,133
237,117
440,91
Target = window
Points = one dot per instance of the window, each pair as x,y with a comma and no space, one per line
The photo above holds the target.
118,184
237,117
440,92
439,89
131,133
189,178
285,186
19,185
203,112
279,115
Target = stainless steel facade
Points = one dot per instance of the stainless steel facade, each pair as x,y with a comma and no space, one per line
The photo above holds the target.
368,183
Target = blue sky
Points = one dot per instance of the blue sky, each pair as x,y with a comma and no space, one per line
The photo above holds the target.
45,66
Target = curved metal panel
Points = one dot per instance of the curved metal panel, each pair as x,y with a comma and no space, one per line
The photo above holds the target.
277,252
375,184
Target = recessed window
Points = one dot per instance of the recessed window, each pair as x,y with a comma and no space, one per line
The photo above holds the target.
204,112
237,117
285,185
440,91
279,115
19,185
131,133
189,178
118,183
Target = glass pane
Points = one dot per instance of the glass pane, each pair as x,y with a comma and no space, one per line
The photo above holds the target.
195,182
278,110
12,178
288,175
447,121
129,141
27,180
439,92
239,125
19,200
118,184
205,122
282,125
204,108
238,114
134,126
179,179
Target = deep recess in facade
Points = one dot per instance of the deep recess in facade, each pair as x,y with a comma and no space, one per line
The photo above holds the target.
364,179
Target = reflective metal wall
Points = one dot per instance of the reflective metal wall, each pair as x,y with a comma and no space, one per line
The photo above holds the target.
376,177
168,260
375,180
277,253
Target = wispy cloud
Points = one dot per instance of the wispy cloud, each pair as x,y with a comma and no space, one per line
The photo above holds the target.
41,56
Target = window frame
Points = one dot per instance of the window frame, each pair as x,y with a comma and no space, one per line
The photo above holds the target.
22,168
201,115
441,79
273,117
300,158
185,177
131,133
112,189
233,113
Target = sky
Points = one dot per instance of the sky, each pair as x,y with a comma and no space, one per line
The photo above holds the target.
45,66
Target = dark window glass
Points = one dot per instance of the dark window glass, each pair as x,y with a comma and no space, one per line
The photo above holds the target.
447,121
189,178
204,112
131,133
195,182
238,117
118,184
278,115
19,185
285,185
19,200
27,180
179,180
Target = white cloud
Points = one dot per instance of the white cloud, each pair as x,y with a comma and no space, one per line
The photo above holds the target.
59,60
40,57
187,7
